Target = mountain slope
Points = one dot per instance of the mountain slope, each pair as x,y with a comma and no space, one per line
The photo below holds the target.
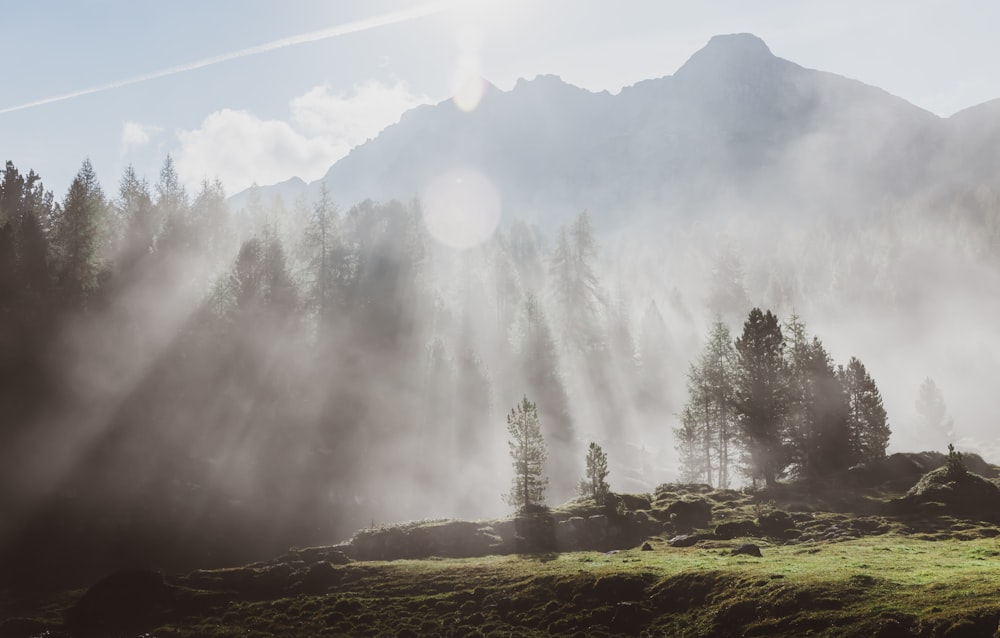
735,126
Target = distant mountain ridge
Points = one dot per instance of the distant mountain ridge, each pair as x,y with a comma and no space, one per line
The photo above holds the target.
735,126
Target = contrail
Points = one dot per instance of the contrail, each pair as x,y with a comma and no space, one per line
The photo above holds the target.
356,26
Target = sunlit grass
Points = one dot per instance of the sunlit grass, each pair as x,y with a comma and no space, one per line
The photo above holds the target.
843,588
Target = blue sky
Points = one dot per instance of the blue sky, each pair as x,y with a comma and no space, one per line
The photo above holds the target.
295,110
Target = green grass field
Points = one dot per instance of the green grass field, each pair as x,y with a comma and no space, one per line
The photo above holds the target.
851,564
877,586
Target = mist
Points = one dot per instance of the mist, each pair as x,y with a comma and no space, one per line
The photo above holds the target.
194,382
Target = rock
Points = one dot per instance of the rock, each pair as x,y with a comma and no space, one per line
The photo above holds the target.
684,540
634,502
775,523
942,491
735,529
690,514
746,549
646,547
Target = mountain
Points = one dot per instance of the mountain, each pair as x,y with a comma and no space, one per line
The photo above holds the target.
734,128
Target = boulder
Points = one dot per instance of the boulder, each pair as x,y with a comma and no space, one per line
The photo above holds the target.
684,540
736,529
746,549
775,523
690,514
956,493
646,547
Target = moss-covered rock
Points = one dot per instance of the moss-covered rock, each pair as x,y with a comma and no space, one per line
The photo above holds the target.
957,493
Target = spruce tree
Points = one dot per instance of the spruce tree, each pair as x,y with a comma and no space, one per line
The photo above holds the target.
78,237
710,405
528,454
761,394
594,484
817,417
869,424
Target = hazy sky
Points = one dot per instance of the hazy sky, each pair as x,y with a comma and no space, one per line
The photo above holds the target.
229,90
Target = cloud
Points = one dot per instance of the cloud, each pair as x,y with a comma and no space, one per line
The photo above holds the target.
135,134
346,28
239,148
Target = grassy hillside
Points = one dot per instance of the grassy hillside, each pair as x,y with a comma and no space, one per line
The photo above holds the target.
857,562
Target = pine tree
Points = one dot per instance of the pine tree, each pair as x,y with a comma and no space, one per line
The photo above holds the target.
575,286
210,219
173,209
869,423
761,394
134,208
78,237
711,393
594,484
528,454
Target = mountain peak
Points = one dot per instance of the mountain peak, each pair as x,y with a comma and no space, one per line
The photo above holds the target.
732,52
740,44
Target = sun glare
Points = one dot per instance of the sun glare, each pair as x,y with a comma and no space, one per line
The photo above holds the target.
461,208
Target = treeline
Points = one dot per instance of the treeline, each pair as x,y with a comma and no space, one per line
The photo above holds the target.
181,377
771,403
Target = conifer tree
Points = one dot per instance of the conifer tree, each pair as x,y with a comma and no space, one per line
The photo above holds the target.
575,286
761,394
711,404
869,424
528,454
594,484
78,237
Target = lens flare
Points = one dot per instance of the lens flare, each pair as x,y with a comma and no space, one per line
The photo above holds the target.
461,208
468,86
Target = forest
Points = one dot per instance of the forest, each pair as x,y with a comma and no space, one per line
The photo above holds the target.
176,373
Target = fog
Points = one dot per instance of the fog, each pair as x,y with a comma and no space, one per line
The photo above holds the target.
202,383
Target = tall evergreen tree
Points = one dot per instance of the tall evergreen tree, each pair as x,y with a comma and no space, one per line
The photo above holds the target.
820,437
528,454
78,238
594,483
134,207
761,394
868,420
711,405
173,209
575,286
209,218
